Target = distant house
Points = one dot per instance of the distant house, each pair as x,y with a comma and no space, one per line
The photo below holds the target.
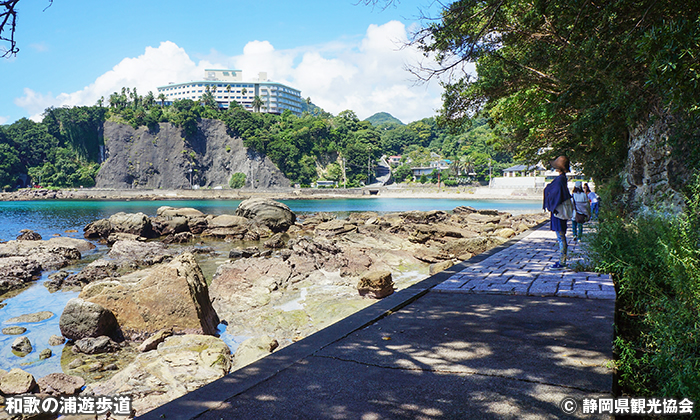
438,165
326,184
524,170
394,160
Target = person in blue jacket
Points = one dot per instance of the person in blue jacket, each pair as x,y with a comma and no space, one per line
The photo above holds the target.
554,194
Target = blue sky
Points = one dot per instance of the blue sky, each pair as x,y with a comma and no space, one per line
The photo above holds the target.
341,54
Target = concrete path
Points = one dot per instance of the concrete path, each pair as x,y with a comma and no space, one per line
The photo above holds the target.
498,336
525,269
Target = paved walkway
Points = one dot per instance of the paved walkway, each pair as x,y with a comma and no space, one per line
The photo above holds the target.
499,336
525,269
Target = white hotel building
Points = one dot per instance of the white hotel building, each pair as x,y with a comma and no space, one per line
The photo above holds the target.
228,86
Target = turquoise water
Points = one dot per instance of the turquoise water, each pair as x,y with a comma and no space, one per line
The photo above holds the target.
56,217
67,218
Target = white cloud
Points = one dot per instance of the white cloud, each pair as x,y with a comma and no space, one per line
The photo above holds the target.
156,67
4,120
367,76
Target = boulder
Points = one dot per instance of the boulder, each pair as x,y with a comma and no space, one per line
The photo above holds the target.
56,340
253,349
22,345
275,215
179,365
440,266
376,284
505,233
81,319
45,354
15,271
276,241
167,295
135,223
60,384
96,270
179,238
28,235
151,343
243,253
95,345
139,253
17,381
98,229
121,236
169,225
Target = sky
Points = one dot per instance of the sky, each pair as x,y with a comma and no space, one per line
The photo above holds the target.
342,54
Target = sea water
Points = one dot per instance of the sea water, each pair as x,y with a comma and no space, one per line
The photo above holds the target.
68,218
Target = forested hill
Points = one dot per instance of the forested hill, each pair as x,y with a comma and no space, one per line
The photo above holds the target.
67,147
383,118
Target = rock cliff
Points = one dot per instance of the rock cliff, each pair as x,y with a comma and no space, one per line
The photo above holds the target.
653,175
162,157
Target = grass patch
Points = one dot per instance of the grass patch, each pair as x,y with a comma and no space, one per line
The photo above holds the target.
654,260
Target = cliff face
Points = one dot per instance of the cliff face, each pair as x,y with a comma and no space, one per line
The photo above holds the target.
653,175
163,157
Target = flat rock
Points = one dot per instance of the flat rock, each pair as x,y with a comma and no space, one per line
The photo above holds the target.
179,365
60,384
31,318
14,330
188,212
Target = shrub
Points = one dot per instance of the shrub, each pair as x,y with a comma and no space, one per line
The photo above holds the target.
237,180
655,263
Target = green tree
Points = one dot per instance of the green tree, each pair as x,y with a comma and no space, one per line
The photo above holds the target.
568,76
9,165
257,103
237,180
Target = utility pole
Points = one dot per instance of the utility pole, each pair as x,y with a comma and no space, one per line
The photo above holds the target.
345,180
490,179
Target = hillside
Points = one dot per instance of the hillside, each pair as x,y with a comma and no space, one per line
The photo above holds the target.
383,118
162,158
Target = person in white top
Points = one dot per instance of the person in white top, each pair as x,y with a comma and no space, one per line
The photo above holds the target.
594,199
582,210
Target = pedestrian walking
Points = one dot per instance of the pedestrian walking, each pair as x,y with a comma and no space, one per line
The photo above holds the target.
593,199
582,210
557,200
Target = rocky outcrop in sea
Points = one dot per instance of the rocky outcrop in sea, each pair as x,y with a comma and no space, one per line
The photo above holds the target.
148,320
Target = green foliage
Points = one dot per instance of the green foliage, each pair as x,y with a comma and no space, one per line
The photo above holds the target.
381,118
569,76
237,180
655,262
402,173
79,128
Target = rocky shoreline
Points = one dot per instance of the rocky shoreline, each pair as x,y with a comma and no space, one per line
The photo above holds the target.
392,191
148,320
